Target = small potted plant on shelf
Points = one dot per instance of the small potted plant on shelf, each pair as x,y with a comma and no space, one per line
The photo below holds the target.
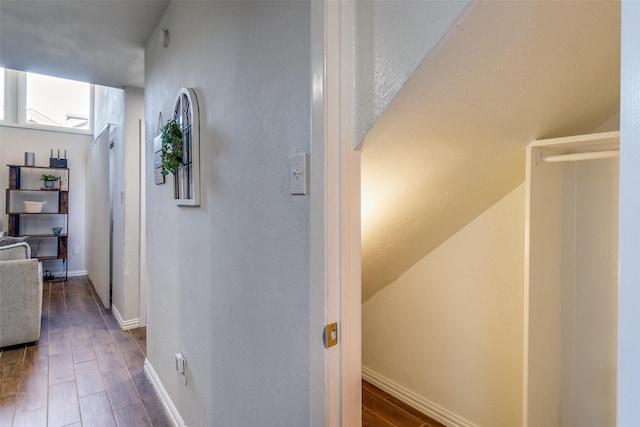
172,150
49,180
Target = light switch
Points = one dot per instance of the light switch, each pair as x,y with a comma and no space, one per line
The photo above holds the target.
181,367
298,174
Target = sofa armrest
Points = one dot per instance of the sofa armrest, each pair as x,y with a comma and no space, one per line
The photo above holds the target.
20,301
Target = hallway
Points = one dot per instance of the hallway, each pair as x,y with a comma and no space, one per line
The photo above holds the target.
84,371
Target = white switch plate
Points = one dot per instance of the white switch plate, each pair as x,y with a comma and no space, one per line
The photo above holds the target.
181,367
298,174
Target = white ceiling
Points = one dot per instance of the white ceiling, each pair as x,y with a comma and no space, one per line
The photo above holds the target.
98,41
449,145
452,141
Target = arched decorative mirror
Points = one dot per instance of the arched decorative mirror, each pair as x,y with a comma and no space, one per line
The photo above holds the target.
186,183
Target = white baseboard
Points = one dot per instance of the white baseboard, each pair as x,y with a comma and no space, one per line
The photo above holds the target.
124,324
77,273
431,409
169,407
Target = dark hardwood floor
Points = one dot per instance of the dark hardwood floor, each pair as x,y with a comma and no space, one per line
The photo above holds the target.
380,409
84,371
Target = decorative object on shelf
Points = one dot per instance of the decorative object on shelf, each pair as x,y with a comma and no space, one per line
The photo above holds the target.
49,180
57,162
33,207
56,230
172,152
186,179
29,159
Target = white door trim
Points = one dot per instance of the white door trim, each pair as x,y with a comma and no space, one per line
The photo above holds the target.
335,219
142,270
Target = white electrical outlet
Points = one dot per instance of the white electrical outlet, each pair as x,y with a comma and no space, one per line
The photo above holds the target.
181,367
76,250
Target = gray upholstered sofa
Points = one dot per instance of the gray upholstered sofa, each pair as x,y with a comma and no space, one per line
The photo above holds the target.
20,295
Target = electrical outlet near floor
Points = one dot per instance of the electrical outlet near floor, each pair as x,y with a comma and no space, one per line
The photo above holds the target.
76,250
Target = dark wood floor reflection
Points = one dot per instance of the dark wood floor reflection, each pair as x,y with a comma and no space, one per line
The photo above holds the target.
380,409
84,370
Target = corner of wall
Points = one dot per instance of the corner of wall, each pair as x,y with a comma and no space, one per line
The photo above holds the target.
124,324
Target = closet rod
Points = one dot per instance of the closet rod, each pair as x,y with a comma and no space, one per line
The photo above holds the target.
575,157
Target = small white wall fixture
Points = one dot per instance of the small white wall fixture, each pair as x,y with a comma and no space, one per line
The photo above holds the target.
186,183
571,278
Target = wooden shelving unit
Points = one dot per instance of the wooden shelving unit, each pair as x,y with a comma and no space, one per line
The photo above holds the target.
46,246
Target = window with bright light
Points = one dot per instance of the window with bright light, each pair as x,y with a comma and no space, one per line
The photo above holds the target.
51,101
1,94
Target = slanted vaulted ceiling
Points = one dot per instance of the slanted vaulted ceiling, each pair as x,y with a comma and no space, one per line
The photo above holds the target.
96,41
452,141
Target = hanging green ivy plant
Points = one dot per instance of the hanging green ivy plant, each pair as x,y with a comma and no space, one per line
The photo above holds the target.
172,150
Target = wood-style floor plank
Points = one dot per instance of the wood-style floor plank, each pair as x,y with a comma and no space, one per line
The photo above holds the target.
58,342
32,418
63,404
36,359
9,386
89,378
379,408
429,422
77,355
12,355
82,350
369,419
132,416
389,412
150,401
61,368
7,409
109,357
375,390
134,361
100,334
96,410
33,392
125,341
140,335
120,388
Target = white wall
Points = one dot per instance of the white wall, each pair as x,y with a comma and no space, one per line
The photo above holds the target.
15,141
229,280
590,305
124,109
392,40
98,216
450,328
134,112
628,413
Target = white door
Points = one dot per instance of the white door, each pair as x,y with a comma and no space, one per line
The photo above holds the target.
98,212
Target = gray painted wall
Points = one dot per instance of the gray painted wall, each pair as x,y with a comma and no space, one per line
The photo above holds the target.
229,280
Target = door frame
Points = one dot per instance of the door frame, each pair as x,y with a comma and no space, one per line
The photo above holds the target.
336,386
